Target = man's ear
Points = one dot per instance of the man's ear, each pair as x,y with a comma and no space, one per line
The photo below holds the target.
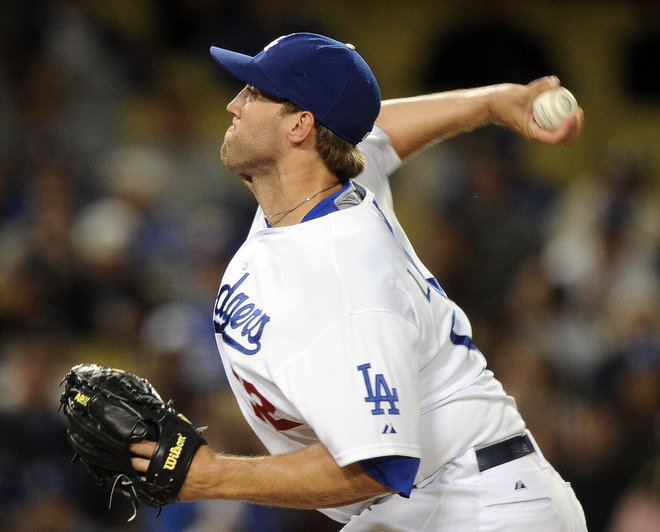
302,128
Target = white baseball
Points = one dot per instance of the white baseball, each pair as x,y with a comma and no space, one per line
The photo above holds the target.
552,107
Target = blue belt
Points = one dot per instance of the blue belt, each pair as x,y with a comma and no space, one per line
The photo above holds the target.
503,452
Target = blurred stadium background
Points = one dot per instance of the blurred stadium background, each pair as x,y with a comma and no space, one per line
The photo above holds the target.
117,219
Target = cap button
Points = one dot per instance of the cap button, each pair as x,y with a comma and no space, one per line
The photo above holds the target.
349,45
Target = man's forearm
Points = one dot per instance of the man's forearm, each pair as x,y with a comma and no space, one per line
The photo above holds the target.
306,479
414,123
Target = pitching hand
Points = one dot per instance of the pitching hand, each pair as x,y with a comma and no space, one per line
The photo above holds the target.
512,107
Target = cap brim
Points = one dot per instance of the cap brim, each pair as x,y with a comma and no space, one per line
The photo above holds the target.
244,68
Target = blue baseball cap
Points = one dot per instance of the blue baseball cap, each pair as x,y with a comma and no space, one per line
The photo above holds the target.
318,74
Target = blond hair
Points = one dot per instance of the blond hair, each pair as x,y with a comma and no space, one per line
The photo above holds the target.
343,159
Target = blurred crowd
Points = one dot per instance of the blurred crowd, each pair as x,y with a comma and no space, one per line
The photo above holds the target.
117,219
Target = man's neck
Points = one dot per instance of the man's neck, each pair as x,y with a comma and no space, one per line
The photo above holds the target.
289,195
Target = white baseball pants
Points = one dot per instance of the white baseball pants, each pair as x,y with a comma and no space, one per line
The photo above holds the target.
523,494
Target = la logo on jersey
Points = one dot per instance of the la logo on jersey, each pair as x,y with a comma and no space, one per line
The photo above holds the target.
238,320
379,393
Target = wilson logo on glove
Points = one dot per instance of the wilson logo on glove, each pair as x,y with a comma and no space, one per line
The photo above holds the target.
175,452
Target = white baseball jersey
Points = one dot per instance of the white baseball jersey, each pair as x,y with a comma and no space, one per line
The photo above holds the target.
332,330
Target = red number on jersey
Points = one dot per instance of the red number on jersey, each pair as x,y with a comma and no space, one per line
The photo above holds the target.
264,409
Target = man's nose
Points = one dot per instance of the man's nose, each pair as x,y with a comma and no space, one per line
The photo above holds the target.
235,106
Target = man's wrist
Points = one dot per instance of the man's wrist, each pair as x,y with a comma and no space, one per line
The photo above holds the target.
496,105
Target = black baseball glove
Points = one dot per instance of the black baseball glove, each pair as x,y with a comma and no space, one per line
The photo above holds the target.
106,411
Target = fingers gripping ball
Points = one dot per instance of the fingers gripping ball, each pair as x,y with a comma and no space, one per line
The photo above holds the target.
107,410
552,107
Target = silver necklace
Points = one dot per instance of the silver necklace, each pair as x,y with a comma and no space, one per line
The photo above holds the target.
287,211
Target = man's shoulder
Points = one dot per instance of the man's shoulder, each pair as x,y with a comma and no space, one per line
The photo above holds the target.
382,161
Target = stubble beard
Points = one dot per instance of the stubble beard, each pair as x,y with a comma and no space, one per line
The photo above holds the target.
249,156
230,162
225,150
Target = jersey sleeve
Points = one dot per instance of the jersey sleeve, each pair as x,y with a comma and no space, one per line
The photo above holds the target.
395,472
382,161
360,396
